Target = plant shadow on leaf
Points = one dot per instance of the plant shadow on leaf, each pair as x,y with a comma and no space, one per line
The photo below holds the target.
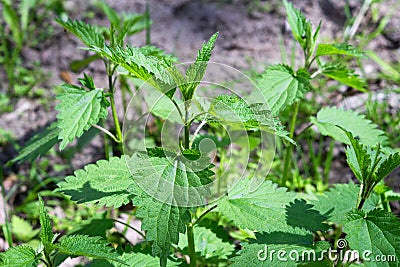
300,214
87,193
280,237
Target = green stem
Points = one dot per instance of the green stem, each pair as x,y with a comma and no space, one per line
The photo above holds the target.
130,226
289,148
191,247
187,127
204,214
147,15
114,110
359,196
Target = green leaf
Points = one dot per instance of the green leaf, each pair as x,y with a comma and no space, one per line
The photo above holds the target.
387,166
11,18
298,23
341,199
262,209
207,244
162,223
147,68
344,75
238,113
196,70
78,110
81,245
22,230
104,183
140,260
25,7
264,250
378,231
46,233
358,125
339,49
89,34
174,180
38,145
19,256
281,86
78,65
154,51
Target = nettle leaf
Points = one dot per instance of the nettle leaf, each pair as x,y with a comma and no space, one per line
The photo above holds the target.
19,256
78,110
281,86
154,51
357,124
162,223
298,23
46,233
377,231
238,113
82,245
22,230
339,49
89,34
104,183
196,70
145,67
175,180
264,250
38,145
387,166
262,209
207,244
342,74
341,199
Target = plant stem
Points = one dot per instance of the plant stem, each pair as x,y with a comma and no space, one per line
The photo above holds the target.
187,127
191,247
148,26
134,229
114,110
289,148
204,214
107,132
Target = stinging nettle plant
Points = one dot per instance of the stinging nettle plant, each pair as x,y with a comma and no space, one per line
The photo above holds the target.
177,234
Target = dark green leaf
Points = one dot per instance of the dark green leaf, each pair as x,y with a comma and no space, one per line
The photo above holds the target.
19,256
344,75
38,145
196,70
281,87
81,245
338,49
103,183
162,223
262,209
298,23
357,124
89,34
377,231
341,199
78,110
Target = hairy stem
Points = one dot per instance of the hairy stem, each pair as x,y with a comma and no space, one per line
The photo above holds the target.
289,148
114,110
191,247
